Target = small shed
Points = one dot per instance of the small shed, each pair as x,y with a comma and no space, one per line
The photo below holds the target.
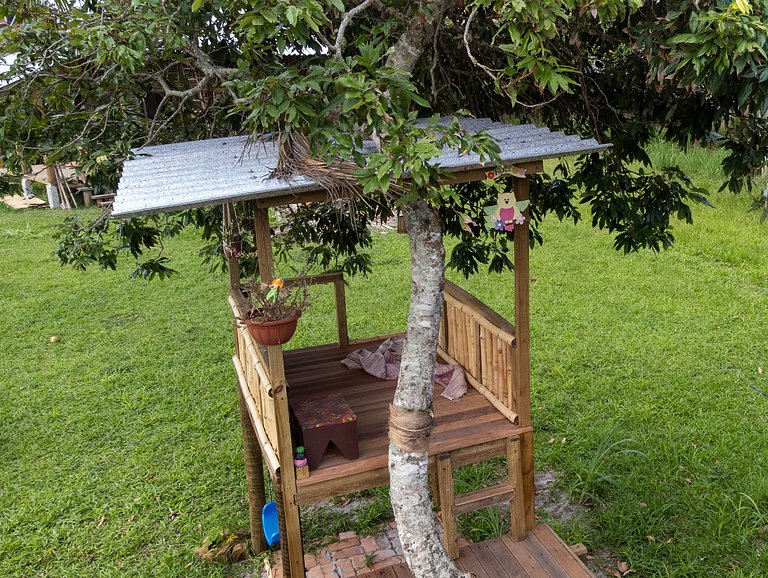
492,419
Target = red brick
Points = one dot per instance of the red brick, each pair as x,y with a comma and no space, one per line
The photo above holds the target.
316,572
347,553
323,556
385,554
369,544
328,570
383,542
345,569
347,535
344,544
359,562
309,560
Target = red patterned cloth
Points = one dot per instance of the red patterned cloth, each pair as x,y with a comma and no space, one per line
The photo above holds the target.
324,411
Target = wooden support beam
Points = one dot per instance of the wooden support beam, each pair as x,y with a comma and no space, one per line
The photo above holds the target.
523,350
294,566
466,176
445,489
517,508
483,498
341,312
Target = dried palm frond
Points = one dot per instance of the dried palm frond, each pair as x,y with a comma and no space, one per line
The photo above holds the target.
336,177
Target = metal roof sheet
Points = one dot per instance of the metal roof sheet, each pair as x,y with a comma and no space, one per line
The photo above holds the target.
198,173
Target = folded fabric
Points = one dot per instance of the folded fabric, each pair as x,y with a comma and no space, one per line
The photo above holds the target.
384,363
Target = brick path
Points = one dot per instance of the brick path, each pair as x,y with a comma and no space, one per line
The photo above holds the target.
351,556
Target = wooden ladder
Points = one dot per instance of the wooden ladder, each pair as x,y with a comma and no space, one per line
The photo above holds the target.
452,505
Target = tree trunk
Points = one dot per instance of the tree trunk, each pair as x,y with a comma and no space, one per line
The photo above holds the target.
411,411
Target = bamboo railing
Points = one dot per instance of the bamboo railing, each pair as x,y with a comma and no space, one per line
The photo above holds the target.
482,342
252,370
252,366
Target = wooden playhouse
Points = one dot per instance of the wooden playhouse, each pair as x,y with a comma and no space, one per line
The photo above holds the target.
492,419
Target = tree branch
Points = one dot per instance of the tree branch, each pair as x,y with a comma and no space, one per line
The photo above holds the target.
340,40
475,61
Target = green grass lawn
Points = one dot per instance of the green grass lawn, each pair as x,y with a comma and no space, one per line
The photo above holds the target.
120,443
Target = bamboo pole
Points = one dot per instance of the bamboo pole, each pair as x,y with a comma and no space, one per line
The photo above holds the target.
484,391
254,475
261,435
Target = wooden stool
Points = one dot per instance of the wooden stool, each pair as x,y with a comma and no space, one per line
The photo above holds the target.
325,420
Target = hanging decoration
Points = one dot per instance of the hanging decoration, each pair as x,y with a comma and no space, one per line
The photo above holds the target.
508,211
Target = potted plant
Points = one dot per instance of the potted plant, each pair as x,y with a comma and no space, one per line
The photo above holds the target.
274,310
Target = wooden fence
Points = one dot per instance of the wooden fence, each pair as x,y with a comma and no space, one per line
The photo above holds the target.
483,343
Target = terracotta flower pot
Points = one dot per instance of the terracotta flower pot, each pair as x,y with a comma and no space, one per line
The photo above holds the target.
273,332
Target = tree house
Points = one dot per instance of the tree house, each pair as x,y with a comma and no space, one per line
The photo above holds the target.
492,419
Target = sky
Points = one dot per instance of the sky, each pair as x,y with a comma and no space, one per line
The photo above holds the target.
6,61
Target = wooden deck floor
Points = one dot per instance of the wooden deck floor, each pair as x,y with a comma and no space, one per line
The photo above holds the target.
316,372
541,555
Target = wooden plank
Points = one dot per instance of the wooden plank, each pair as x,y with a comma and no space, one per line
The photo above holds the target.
579,550
503,555
489,561
332,486
482,498
19,202
478,453
469,563
524,557
565,557
543,557
315,196
402,571
445,489
387,572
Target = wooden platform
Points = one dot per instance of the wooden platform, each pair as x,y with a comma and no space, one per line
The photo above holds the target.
541,555
19,202
468,422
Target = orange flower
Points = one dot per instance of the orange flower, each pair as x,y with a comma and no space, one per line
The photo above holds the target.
277,283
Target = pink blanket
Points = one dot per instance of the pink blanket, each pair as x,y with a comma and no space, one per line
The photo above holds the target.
384,363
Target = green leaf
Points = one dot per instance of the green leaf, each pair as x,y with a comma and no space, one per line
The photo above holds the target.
197,4
292,14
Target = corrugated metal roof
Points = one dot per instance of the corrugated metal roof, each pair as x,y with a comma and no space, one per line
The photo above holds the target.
193,174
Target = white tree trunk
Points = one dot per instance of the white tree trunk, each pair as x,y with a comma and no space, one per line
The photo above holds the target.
409,485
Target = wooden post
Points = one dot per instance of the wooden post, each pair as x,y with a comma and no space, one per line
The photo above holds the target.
445,491
254,475
294,566
341,312
523,351
516,506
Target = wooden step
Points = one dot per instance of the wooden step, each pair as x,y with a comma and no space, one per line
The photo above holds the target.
483,498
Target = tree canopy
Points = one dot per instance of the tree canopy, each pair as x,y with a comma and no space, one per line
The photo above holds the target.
94,79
